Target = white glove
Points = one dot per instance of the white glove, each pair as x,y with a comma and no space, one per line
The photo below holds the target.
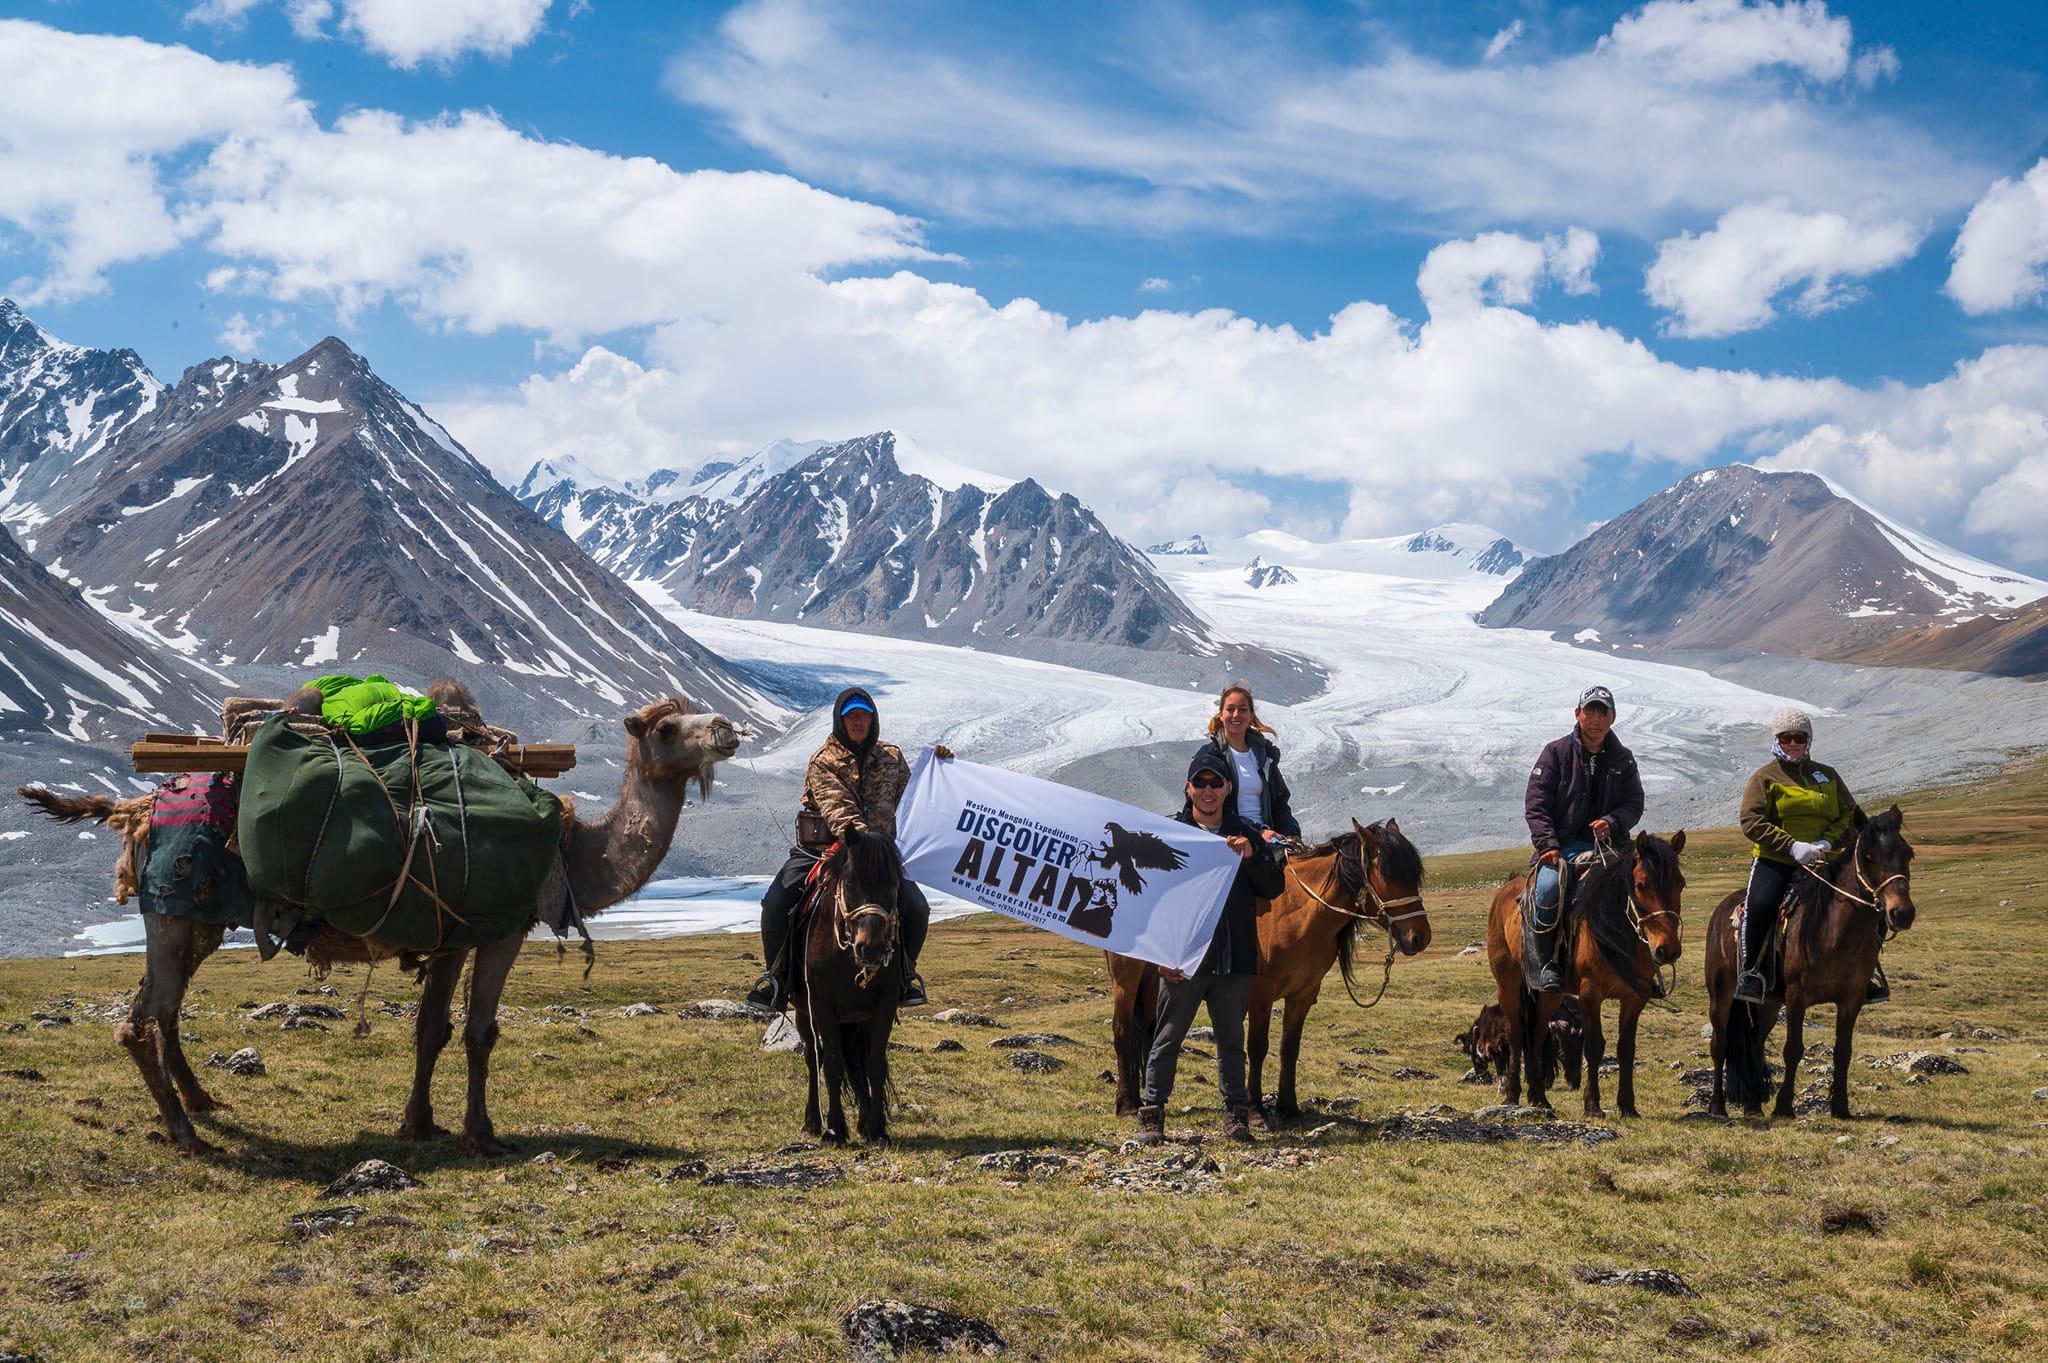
1807,853
1825,845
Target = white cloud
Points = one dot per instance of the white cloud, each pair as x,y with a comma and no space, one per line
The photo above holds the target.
1728,280
90,125
1964,459
405,33
1503,40
1156,285
1502,268
2001,255
466,221
1682,109
240,335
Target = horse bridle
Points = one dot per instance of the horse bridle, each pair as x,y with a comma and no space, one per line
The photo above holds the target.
1873,903
845,929
1379,914
1637,918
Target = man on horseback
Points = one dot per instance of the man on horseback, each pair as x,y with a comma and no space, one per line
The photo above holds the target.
1795,810
853,782
1584,789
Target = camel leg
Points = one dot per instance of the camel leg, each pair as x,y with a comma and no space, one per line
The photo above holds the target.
430,1033
1625,1053
1258,1030
479,1035
167,963
205,941
1595,1050
1291,1022
1795,1050
1845,1039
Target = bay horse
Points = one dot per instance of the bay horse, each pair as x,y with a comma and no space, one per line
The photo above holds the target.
846,1001
1836,924
1371,874
1626,908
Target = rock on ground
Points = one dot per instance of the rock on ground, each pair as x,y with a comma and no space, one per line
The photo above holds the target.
371,1176
880,1331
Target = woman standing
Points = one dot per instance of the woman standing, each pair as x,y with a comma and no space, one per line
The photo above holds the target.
1795,810
1258,793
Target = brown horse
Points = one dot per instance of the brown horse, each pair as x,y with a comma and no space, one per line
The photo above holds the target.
1627,911
1832,934
1369,874
846,1003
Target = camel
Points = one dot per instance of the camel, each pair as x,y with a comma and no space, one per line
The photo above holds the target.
602,862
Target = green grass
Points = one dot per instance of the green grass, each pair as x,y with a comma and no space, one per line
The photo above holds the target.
1325,1243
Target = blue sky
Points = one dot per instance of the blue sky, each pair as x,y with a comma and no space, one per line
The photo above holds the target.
1353,269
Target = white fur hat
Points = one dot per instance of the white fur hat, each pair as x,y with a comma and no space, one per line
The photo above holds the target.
1792,720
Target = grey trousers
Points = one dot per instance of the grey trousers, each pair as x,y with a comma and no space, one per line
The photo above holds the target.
1230,999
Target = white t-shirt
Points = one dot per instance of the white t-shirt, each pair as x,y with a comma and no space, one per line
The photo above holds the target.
1249,786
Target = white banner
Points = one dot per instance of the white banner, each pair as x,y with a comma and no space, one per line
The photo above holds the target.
1094,869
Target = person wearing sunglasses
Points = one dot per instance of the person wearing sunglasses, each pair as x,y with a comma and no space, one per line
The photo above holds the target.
853,781
1796,811
1258,793
1225,976
1584,790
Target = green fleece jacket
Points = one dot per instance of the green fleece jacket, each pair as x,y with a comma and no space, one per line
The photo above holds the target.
1788,802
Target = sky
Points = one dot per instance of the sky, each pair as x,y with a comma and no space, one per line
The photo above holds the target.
1350,269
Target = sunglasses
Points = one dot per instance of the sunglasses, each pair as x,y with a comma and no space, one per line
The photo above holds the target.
1793,738
1208,782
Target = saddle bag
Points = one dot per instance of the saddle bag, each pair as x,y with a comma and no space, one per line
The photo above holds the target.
191,870
416,845
813,834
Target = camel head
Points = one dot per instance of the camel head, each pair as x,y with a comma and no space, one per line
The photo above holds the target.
673,742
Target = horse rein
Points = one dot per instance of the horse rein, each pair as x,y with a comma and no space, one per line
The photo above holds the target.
1379,915
1637,918
1872,903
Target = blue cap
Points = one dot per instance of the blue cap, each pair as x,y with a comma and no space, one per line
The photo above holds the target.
855,703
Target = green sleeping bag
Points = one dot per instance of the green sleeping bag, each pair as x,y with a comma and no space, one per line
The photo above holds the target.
334,826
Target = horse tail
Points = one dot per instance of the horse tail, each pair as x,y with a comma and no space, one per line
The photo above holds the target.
1539,1047
68,809
1746,1077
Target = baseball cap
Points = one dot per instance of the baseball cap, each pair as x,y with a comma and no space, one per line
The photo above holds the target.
1208,759
1595,695
856,703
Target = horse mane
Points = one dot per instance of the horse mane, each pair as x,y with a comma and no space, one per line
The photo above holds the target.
868,860
1812,894
1399,864
1603,904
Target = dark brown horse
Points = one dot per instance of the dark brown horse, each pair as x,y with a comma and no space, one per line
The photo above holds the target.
846,1002
1369,875
1626,908
1838,920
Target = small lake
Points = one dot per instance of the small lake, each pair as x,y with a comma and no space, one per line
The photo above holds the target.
665,908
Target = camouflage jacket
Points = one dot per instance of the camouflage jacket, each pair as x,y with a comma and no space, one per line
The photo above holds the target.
848,793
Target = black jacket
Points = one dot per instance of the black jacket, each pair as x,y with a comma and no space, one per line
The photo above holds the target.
1274,798
1234,950
1570,788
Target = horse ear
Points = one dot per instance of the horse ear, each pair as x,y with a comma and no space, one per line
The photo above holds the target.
1897,812
1393,825
1678,842
1859,818
1366,837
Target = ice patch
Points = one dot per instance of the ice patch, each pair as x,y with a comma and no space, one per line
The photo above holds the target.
322,648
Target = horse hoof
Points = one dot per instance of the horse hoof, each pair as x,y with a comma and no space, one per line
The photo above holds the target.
421,1131
1261,1119
1596,1111
487,1147
833,1138
1629,1111
206,1102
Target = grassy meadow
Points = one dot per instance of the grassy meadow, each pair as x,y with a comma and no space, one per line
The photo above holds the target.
1914,1231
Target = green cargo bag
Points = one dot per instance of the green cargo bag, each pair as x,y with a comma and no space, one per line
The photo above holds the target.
422,848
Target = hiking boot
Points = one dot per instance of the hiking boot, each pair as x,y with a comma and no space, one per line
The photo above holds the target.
913,995
766,993
1237,1122
1749,987
1878,990
1550,980
1151,1124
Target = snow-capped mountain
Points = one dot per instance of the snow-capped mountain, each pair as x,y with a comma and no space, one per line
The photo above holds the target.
1447,552
1193,545
61,408
309,516
66,669
1259,573
1738,557
847,537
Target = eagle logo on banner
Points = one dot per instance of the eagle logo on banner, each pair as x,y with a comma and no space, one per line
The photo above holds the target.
1121,854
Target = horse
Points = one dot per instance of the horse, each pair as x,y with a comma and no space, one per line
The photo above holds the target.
1364,875
846,1002
1627,910
1837,922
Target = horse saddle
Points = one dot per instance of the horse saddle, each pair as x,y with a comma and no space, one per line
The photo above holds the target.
1533,955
